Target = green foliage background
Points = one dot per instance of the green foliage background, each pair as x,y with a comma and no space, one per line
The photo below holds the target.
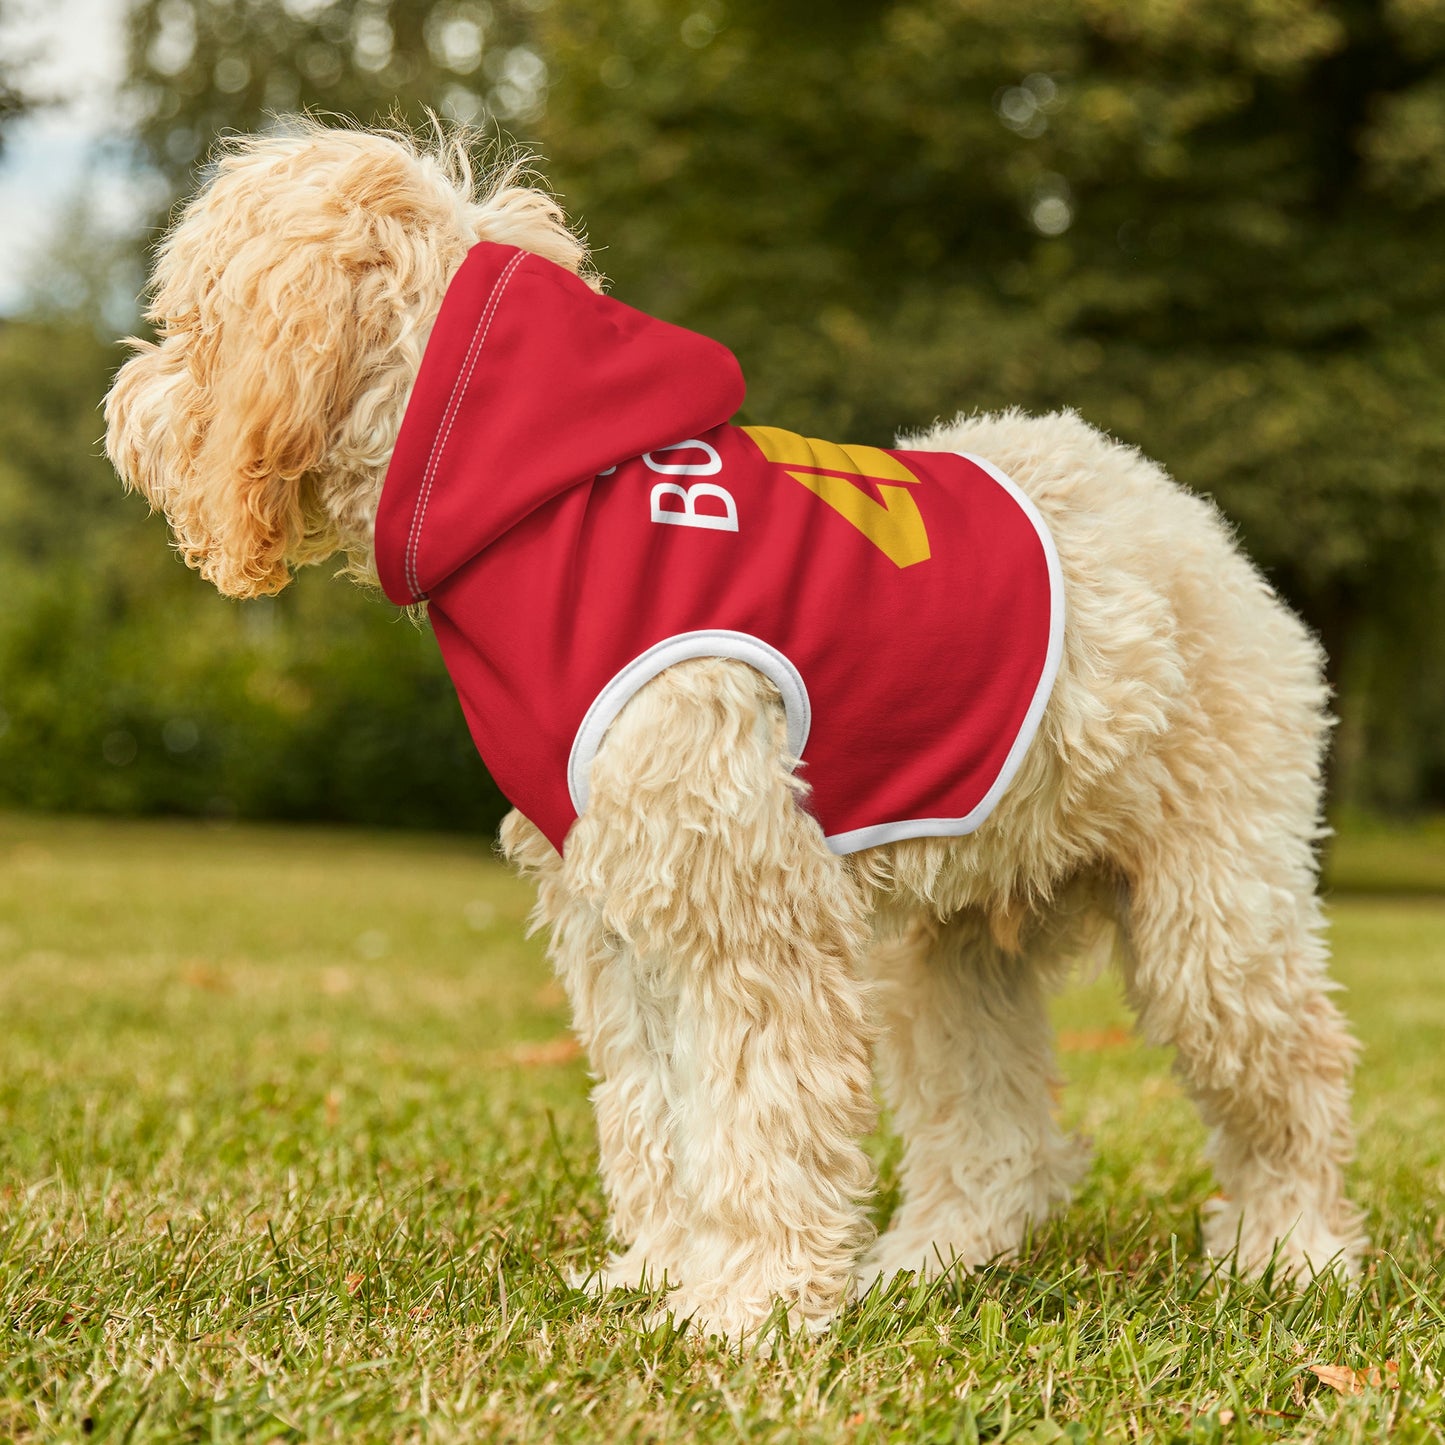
1214,227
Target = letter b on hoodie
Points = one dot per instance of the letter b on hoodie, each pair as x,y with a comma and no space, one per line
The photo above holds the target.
687,515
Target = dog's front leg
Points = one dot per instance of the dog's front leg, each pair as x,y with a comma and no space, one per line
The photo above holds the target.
743,931
625,1027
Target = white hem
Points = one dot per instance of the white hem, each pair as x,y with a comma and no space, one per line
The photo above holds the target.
684,647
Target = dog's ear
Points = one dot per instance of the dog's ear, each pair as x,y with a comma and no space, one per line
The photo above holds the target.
289,300
292,301
222,422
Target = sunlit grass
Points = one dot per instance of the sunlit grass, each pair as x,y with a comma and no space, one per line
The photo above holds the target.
1368,855
291,1146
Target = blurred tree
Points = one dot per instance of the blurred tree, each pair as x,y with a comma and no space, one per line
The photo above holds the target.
1216,227
201,67
14,100
127,685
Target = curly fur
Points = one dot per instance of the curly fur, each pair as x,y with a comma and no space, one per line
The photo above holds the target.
292,301
729,976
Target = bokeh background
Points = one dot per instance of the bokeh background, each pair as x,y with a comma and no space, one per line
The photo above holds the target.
1214,227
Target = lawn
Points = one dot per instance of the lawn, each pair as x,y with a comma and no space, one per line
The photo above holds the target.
293,1145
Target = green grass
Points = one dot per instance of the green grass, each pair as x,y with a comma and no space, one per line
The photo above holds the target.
1369,855
285,1154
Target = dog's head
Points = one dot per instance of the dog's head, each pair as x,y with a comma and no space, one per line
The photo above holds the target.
292,301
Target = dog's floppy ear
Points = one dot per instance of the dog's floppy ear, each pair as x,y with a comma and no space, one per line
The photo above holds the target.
279,359
292,301
284,299
221,423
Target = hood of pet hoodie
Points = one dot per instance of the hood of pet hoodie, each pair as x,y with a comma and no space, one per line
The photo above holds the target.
568,496
531,384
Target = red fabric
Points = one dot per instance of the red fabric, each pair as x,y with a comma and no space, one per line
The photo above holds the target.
925,673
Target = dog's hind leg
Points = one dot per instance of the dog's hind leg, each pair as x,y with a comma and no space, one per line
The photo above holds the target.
966,1060
694,852
1228,966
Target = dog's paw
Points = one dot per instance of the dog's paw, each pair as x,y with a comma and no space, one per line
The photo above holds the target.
1298,1245
916,1252
633,1270
965,1228
741,1323
927,1262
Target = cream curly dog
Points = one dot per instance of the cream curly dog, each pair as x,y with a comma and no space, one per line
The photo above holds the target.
732,977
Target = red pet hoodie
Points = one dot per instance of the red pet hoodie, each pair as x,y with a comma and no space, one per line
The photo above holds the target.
568,496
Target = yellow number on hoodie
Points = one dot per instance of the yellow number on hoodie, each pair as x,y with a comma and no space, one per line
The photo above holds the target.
893,525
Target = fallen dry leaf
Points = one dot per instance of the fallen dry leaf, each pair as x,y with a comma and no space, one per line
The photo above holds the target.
354,1282
1347,1381
561,1050
1090,1041
197,973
